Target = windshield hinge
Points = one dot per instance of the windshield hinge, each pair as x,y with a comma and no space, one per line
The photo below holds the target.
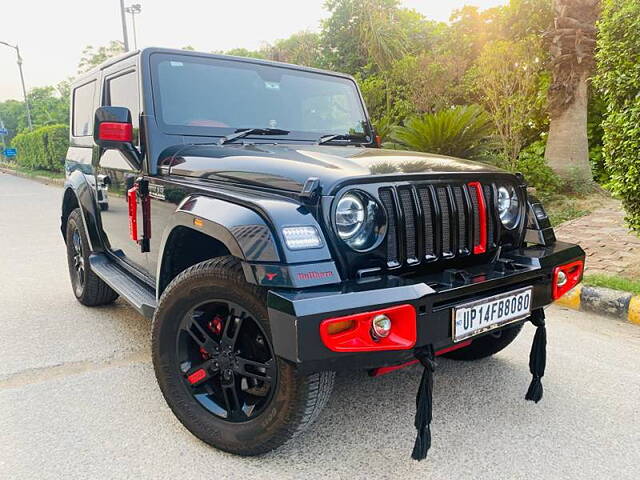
310,189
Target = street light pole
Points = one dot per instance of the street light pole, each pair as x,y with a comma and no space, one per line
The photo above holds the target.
24,90
134,10
124,27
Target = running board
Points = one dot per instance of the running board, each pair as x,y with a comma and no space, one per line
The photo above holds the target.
140,296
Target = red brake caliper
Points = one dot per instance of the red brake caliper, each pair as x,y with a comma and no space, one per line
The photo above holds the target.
215,325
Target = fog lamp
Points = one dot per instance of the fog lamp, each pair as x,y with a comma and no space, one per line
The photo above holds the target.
562,278
380,326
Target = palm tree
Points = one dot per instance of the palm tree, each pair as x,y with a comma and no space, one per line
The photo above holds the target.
465,132
572,55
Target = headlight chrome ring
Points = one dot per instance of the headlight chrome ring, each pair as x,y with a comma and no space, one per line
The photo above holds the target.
359,220
508,206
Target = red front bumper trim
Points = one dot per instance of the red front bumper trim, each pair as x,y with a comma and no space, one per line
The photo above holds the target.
358,337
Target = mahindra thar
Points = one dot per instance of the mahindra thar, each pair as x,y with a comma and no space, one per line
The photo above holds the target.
253,217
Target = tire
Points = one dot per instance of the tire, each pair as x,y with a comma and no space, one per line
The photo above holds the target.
88,288
214,291
487,345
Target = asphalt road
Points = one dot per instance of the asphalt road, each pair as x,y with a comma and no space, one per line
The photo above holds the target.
78,398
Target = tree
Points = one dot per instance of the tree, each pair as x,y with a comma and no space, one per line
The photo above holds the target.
572,52
302,48
507,78
342,32
94,56
618,81
461,132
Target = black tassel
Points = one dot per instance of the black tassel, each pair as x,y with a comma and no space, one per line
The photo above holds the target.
426,356
537,357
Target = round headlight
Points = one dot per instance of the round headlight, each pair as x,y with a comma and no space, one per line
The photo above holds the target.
508,206
349,216
359,220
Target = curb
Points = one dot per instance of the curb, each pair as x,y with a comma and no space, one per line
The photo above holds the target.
59,182
603,301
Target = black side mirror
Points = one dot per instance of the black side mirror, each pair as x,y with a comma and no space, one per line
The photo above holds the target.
113,129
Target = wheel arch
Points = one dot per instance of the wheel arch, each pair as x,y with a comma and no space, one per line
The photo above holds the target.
203,228
78,193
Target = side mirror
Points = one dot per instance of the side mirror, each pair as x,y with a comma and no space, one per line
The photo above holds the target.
113,129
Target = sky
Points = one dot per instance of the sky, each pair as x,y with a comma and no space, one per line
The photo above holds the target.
52,34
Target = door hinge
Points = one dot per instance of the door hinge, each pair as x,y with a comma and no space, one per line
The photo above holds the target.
140,189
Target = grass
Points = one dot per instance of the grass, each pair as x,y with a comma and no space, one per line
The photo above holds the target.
32,173
561,208
615,283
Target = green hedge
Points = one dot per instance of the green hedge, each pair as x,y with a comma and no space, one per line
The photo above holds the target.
45,148
618,80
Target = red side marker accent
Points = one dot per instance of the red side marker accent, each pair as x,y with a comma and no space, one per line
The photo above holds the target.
132,201
271,276
196,376
115,131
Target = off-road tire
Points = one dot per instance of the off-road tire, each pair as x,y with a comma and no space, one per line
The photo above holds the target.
92,291
297,399
487,345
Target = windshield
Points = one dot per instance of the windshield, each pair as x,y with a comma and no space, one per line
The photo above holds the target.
206,96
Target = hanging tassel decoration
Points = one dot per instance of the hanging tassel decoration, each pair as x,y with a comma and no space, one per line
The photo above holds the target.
537,357
424,403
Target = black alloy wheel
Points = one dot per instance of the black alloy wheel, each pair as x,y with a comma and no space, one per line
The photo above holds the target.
226,360
78,260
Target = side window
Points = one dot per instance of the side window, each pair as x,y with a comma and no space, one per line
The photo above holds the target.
83,110
122,91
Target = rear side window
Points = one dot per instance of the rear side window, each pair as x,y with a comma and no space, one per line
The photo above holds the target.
83,110
122,91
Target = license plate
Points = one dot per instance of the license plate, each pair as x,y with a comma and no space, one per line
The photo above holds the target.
480,316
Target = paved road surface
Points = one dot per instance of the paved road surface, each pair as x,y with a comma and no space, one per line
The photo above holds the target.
78,398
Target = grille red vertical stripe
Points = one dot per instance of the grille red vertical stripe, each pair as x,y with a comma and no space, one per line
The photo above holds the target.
482,211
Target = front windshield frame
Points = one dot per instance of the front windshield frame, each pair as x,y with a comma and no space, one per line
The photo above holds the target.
209,131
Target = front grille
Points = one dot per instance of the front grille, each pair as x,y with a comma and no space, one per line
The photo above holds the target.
434,222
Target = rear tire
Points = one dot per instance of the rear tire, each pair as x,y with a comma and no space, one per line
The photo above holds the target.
228,409
88,288
487,345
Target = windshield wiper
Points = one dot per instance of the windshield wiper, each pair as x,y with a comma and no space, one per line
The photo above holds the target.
244,132
343,138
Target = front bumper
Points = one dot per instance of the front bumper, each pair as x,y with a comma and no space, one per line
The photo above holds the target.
295,315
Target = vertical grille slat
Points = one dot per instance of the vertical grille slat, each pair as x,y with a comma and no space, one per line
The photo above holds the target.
461,206
488,200
429,222
408,208
386,196
445,212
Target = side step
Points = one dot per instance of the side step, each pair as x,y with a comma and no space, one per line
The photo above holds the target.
139,295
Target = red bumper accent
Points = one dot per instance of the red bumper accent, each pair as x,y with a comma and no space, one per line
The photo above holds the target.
358,338
376,372
573,271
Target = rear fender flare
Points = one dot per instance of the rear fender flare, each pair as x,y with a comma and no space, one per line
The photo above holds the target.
77,185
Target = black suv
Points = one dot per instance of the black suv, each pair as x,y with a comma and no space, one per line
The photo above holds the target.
246,207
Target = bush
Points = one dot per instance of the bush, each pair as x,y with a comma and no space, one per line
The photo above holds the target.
538,174
44,148
464,132
618,81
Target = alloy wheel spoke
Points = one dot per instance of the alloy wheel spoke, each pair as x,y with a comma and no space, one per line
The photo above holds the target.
201,336
258,370
231,400
232,329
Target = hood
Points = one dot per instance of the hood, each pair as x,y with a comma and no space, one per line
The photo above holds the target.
286,167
